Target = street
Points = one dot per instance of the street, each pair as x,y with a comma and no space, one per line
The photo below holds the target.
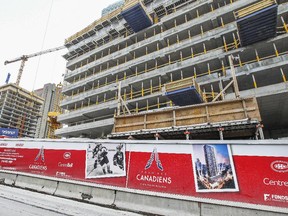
16,202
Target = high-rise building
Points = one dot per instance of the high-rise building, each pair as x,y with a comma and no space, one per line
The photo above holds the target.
210,159
19,109
146,44
50,93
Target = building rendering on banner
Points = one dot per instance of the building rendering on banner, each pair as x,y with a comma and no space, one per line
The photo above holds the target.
20,110
143,46
210,159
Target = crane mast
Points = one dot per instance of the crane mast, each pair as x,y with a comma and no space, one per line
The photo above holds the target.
24,58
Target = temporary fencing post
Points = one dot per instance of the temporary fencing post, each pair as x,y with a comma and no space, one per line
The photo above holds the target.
276,51
257,56
225,45
254,81
222,22
284,24
283,75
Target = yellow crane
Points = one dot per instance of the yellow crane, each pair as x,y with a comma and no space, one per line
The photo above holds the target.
52,116
53,123
24,58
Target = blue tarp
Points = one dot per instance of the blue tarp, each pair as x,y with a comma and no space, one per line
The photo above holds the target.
258,26
185,96
137,18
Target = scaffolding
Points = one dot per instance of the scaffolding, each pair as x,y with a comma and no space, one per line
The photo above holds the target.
230,115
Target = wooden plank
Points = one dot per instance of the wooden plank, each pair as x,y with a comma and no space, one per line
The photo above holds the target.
179,84
155,120
253,8
190,115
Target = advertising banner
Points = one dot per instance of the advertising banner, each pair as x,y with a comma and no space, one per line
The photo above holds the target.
44,158
103,160
213,167
9,133
246,173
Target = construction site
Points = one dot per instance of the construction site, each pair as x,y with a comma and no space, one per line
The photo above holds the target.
185,69
206,69
166,107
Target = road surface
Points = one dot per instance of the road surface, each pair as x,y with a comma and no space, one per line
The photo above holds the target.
19,202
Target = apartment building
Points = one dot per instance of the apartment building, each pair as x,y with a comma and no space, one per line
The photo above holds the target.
161,41
51,95
19,109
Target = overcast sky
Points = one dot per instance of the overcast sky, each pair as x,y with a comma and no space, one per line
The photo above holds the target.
23,24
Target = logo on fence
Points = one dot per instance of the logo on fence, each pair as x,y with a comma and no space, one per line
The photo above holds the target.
154,156
40,154
267,197
67,155
279,166
275,197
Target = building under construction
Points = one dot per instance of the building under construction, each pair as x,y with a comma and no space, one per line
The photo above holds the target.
19,109
123,62
51,93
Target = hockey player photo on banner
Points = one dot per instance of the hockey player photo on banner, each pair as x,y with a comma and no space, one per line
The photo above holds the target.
105,160
214,169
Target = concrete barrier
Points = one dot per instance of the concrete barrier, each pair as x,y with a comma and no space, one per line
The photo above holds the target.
103,196
36,184
8,178
132,200
213,209
87,193
156,205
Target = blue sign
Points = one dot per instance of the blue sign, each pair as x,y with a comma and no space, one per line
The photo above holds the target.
13,133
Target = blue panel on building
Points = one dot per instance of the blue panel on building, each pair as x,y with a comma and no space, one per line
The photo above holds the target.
185,96
258,26
8,132
137,18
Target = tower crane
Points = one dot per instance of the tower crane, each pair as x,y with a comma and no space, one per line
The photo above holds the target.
24,58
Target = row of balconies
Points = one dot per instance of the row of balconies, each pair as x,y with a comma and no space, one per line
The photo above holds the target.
102,36
159,28
110,64
84,108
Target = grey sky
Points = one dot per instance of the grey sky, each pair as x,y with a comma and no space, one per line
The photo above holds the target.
23,24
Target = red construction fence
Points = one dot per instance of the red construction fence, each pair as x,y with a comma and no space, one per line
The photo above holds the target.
254,172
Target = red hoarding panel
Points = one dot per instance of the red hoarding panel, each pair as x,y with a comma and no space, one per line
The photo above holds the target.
259,182
175,175
241,173
48,162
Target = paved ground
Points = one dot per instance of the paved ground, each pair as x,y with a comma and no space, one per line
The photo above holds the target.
18,202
